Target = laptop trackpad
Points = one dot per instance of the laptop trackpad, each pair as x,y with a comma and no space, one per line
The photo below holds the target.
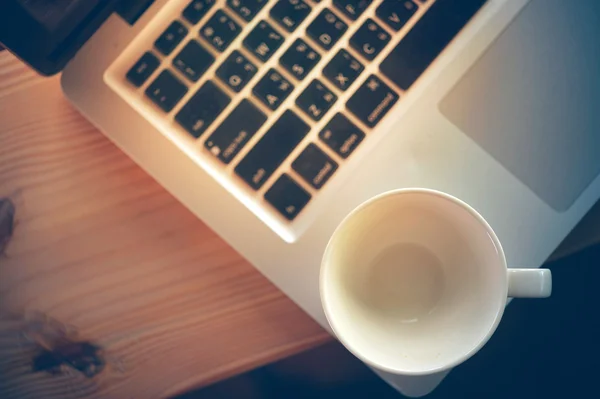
533,99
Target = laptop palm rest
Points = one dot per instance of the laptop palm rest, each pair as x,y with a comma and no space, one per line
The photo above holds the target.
532,100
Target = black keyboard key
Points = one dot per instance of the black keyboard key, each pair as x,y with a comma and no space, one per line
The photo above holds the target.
247,9
341,135
290,13
287,197
197,9
343,69
272,89
370,39
142,69
166,91
236,71
193,60
314,166
372,101
272,149
326,29
220,30
202,109
263,41
316,100
299,59
396,13
353,8
426,40
235,131
171,37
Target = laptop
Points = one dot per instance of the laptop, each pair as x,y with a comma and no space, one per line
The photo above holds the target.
272,120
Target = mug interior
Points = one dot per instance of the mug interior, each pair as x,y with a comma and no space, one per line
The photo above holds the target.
413,282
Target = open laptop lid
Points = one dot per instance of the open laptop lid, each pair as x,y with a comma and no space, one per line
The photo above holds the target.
46,34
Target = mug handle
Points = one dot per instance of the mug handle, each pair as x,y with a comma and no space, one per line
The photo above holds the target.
529,283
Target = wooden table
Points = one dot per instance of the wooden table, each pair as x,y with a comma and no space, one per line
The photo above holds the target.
101,254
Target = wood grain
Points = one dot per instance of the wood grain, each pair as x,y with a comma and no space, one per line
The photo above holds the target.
103,250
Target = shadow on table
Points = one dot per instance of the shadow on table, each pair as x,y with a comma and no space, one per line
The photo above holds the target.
548,348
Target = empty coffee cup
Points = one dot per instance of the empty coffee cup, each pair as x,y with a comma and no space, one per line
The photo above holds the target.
415,281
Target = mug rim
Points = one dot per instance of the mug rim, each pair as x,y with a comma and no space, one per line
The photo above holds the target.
396,370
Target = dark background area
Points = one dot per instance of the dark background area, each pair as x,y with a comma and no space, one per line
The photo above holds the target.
543,348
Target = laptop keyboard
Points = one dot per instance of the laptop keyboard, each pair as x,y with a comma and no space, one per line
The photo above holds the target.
253,138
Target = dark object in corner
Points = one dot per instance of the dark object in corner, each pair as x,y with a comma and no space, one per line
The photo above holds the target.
47,34
7,220
132,10
81,356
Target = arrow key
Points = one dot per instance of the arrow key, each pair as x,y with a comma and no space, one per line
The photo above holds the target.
396,13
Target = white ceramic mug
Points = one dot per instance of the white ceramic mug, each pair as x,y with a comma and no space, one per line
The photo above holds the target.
415,281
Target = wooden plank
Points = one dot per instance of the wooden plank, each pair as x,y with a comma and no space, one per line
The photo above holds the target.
14,75
101,253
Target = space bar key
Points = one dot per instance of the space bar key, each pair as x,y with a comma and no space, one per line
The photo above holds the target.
427,39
